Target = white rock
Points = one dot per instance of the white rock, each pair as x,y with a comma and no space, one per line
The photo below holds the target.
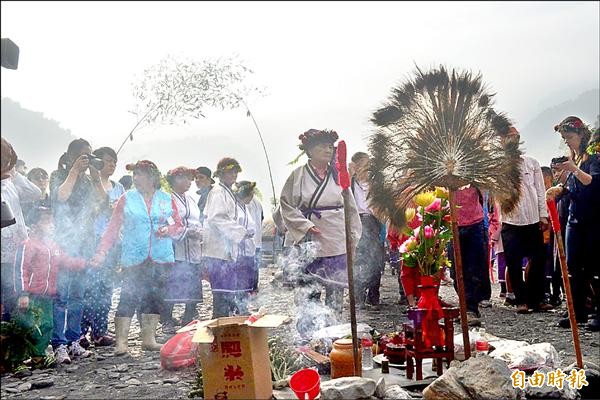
353,387
122,368
395,392
24,387
133,381
380,388
481,378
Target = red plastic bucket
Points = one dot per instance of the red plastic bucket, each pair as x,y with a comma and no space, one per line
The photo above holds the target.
306,384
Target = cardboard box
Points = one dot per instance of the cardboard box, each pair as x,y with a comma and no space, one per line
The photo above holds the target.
235,357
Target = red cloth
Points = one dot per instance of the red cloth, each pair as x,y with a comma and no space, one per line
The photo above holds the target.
114,226
36,267
410,277
395,238
470,210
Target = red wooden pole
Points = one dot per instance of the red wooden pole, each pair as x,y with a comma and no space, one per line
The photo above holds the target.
565,276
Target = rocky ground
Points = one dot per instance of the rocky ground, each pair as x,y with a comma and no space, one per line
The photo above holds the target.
138,375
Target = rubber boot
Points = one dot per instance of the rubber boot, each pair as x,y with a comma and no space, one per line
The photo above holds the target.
121,333
189,314
149,324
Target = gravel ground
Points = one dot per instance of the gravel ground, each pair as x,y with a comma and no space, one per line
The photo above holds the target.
138,375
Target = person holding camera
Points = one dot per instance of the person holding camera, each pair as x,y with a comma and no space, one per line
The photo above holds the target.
16,189
582,190
98,295
76,194
227,231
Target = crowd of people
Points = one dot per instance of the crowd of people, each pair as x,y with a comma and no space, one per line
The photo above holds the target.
78,235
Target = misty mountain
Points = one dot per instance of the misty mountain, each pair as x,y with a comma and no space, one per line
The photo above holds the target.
38,141
541,141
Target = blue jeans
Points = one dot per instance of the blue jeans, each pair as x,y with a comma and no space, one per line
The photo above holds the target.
68,307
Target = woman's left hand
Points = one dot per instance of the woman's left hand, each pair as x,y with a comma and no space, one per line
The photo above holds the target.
568,166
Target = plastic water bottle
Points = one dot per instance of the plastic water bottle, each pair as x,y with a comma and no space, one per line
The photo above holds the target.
481,344
366,343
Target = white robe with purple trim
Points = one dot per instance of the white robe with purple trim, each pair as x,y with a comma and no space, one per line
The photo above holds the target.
304,190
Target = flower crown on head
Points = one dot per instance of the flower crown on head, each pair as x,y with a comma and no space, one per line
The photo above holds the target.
229,167
142,164
183,171
316,135
573,125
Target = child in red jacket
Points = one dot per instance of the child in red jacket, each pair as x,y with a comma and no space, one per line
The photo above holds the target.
36,267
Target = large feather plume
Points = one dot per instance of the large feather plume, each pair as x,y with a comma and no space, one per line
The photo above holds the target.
440,129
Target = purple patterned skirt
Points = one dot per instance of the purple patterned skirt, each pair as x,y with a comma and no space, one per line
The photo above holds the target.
329,270
231,276
184,283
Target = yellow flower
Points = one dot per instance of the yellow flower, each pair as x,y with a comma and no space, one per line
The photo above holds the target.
441,192
424,199
410,213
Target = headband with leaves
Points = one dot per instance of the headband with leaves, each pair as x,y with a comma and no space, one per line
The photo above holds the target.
314,136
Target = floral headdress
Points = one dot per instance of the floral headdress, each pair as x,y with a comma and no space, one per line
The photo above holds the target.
227,164
570,124
142,164
312,137
182,171
149,167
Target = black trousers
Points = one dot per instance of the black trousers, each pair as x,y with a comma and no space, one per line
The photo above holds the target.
143,287
520,242
369,262
476,273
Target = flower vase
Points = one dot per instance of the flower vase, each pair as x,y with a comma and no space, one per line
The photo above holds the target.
430,303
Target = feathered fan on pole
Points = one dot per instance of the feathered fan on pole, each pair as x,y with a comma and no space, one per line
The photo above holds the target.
440,129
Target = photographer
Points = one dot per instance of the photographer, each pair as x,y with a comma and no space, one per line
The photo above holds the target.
76,198
582,191
15,189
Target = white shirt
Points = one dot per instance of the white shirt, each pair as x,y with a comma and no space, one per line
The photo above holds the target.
532,204
16,190
361,191
256,211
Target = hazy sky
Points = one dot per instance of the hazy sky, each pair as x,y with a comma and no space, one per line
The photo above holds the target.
324,64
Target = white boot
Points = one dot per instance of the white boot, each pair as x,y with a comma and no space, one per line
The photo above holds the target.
121,333
149,324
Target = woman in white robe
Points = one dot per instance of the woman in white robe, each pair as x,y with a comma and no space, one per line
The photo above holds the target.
312,209
227,230
184,284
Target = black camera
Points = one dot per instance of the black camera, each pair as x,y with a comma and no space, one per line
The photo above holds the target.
8,218
558,160
95,162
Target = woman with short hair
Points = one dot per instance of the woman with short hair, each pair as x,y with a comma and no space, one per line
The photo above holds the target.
184,283
148,219
228,238
98,295
312,208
